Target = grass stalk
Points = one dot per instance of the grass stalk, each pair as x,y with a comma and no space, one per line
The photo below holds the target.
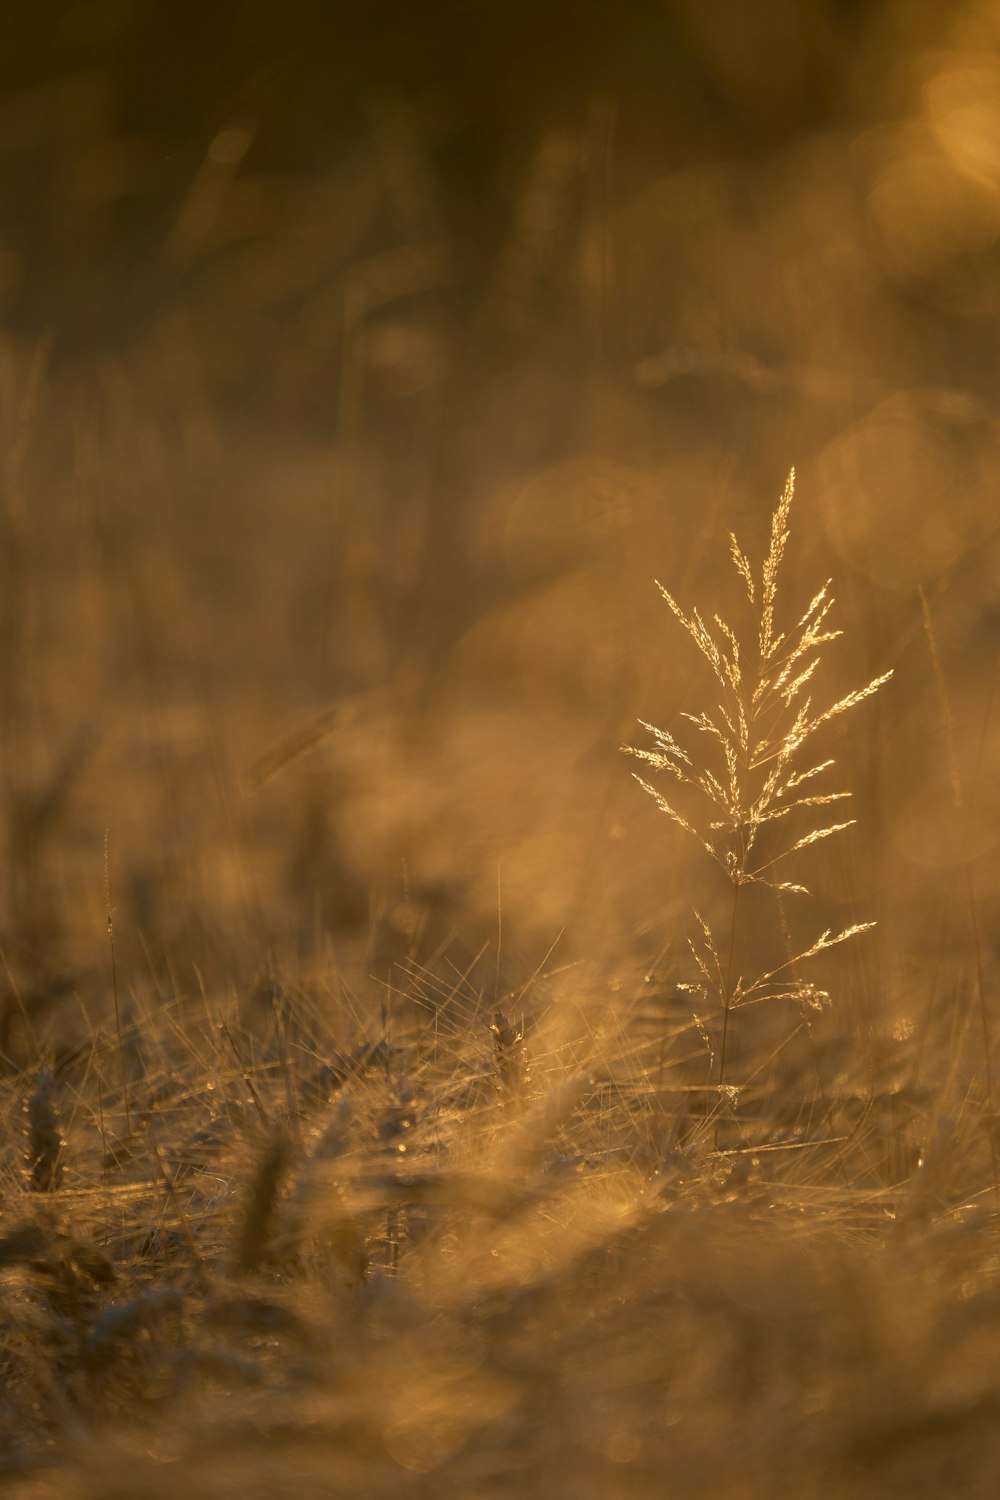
114,981
750,802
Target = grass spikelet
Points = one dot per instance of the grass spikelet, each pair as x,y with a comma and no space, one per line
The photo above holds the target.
510,1057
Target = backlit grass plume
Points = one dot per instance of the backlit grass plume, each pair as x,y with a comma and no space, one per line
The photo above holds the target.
758,769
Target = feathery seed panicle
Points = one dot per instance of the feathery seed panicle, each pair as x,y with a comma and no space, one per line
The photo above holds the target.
757,728
759,724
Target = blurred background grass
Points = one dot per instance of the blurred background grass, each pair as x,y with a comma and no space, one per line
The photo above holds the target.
359,372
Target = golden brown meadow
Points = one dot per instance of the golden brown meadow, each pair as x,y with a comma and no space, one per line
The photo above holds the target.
393,1101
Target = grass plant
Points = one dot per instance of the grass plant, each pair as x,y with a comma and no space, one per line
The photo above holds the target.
756,775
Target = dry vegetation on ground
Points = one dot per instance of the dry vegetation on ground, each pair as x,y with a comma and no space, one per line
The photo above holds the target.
376,1116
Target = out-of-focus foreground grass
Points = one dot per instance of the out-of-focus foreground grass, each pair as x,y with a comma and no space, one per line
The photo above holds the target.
357,1134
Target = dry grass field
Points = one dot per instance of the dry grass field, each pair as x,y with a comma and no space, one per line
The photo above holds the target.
394,1099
